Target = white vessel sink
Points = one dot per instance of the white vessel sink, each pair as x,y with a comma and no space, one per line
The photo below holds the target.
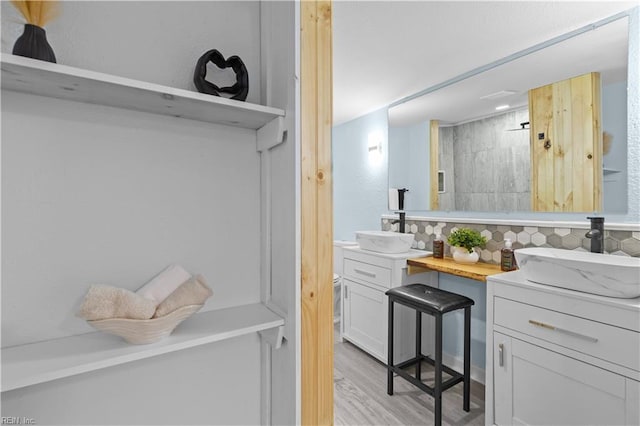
384,241
595,273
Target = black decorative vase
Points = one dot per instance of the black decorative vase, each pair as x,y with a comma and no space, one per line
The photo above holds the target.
33,44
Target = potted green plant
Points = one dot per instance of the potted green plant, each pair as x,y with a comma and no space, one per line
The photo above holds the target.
463,243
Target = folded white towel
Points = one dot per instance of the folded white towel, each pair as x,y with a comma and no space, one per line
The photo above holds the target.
104,301
394,202
193,292
163,284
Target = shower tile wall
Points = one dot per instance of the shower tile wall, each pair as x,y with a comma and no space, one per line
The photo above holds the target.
626,243
491,164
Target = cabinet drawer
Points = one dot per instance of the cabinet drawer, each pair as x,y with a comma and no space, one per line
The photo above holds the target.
367,272
613,344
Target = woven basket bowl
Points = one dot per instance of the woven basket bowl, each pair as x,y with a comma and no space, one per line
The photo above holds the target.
141,332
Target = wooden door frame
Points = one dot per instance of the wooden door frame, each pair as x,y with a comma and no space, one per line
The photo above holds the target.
434,141
316,200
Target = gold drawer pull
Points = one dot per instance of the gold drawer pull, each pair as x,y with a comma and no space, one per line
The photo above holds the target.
562,330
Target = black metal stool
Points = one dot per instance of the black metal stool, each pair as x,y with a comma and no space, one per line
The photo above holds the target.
435,302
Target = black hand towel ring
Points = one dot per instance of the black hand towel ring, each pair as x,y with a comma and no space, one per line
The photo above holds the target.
238,90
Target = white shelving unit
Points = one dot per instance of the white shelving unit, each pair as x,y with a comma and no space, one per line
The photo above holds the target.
63,82
47,359
41,362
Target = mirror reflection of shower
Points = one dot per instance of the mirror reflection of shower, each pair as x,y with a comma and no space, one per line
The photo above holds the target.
489,108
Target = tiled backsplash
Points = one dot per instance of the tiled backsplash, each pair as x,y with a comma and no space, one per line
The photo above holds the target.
625,243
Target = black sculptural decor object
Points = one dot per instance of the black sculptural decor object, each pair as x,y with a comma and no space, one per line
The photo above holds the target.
238,90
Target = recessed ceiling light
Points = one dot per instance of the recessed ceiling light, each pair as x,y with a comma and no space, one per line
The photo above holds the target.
501,107
498,95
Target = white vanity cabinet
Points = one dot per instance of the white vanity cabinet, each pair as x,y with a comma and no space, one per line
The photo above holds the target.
557,356
367,276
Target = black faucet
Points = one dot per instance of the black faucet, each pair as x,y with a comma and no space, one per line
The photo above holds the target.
401,192
401,213
596,234
400,221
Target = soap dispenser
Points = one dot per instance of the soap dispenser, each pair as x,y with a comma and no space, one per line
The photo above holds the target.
438,247
508,259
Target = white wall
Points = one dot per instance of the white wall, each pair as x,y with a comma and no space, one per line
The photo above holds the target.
633,118
94,194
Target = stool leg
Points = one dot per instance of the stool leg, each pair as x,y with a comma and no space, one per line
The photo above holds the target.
467,357
390,349
418,344
437,386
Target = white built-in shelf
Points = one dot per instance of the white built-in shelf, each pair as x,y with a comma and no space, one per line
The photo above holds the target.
60,81
608,171
41,362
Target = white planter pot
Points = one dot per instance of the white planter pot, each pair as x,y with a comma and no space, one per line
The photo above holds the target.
462,255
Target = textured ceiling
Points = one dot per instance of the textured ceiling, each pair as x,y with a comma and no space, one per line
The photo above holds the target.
387,50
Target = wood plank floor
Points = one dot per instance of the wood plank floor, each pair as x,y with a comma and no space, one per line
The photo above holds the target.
360,395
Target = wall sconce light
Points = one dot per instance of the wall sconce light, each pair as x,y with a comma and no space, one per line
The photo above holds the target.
375,147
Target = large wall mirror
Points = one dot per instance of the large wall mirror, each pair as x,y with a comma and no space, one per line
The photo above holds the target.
484,154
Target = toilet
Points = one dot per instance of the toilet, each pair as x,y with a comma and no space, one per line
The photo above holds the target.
338,245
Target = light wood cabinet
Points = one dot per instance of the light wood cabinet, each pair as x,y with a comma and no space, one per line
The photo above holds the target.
566,145
549,363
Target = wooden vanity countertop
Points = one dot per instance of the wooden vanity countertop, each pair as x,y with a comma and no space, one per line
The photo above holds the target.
475,271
